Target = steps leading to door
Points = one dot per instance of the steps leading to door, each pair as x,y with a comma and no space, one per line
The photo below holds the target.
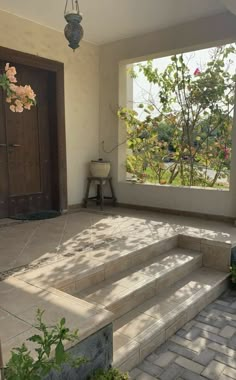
139,332
128,289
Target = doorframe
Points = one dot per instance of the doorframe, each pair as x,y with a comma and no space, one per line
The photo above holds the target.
14,56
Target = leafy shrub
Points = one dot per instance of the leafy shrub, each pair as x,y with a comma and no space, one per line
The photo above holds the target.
23,365
110,374
49,355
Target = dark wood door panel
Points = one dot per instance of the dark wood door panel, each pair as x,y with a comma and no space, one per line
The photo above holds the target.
27,154
23,153
3,163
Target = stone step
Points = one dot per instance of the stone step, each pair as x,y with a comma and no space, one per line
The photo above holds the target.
123,292
142,330
102,264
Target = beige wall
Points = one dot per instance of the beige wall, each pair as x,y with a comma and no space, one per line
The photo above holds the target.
202,33
81,90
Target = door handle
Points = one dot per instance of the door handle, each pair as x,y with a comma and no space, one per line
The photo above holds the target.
14,145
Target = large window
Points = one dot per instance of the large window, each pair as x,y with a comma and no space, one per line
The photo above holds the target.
179,118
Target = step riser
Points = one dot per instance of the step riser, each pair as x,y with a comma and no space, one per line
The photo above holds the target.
178,273
116,266
139,257
148,291
144,345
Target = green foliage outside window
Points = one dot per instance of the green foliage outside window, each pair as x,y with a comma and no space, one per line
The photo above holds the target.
186,132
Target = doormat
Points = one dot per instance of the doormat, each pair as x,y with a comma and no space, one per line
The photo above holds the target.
40,215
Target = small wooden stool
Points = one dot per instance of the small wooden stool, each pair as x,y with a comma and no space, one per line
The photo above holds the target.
99,197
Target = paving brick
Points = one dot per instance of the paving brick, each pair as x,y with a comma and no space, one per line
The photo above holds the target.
213,370
182,351
232,342
150,368
224,303
227,332
224,308
229,361
189,364
205,357
163,348
230,316
189,375
145,376
230,372
213,337
134,373
172,372
189,325
224,377
151,358
165,359
222,349
197,345
204,326
228,298
181,332
192,334
219,322
233,305
204,349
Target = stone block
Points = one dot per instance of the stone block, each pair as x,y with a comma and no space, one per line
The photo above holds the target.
165,359
205,357
230,372
189,242
213,370
176,348
222,349
97,348
213,337
189,375
172,372
150,368
192,334
189,364
216,257
145,376
227,332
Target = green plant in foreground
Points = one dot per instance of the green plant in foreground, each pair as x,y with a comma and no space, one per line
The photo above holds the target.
49,354
111,374
233,273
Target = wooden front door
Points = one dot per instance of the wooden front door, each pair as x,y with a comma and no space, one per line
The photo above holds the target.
25,153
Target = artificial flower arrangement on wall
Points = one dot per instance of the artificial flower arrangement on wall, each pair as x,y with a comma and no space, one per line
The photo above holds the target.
18,97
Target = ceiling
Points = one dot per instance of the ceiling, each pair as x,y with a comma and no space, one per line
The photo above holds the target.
110,20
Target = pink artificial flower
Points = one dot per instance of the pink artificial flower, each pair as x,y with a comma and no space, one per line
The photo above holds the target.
19,97
197,72
10,73
13,108
13,87
19,106
29,93
226,151
28,106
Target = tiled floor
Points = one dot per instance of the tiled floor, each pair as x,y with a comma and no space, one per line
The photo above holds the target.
205,348
85,239
114,231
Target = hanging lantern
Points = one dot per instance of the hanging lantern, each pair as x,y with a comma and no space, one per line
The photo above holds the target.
73,30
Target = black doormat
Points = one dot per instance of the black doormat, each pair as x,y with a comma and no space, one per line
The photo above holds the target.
40,215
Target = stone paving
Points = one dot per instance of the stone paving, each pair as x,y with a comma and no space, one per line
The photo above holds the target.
205,348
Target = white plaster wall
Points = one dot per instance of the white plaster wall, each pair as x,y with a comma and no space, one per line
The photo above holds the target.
193,35
81,90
